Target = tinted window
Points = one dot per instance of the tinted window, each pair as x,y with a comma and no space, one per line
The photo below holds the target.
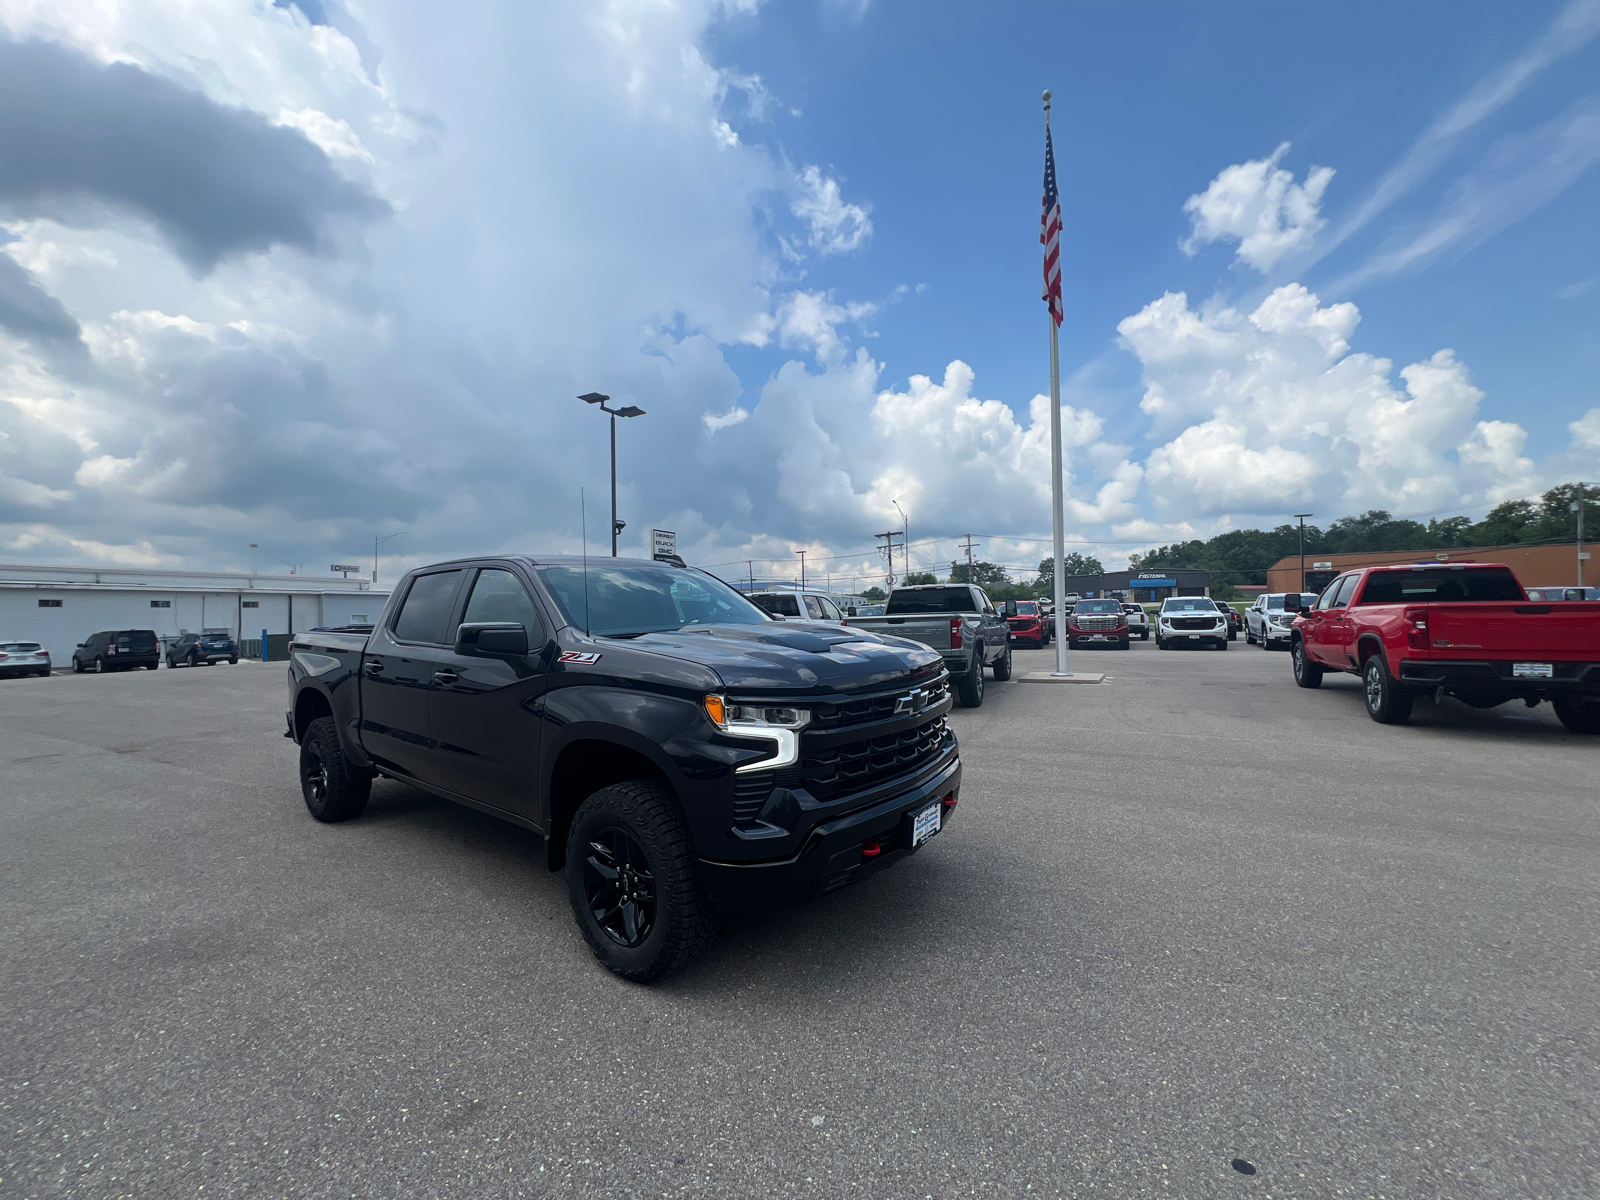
1418,587
1027,608
137,639
1307,599
1097,606
427,607
18,647
780,605
906,602
1188,604
499,596
613,601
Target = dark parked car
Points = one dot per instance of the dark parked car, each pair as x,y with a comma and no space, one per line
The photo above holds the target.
24,658
679,750
1235,619
118,650
192,649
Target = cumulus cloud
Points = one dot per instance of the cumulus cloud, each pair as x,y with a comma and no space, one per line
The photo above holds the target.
81,137
1258,205
835,226
1271,409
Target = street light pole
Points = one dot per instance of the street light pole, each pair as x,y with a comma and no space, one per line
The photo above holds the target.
802,555
1578,507
1302,518
600,398
376,542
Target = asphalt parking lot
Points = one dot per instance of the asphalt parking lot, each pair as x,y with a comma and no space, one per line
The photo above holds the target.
1191,915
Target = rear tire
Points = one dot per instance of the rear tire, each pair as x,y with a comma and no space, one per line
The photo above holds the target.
335,789
99,666
1306,673
1577,716
1249,638
970,686
1388,701
641,908
1224,644
1002,666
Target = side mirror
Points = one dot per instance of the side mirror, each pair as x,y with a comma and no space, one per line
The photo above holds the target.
492,638
850,612
1011,608
1291,602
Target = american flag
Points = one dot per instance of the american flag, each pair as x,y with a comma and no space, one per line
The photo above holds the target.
1050,232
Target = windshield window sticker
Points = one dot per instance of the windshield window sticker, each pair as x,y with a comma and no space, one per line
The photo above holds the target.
578,656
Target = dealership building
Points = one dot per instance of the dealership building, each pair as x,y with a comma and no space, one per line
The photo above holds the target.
1142,587
59,607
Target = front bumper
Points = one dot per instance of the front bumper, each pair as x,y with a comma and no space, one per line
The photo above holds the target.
1478,677
831,856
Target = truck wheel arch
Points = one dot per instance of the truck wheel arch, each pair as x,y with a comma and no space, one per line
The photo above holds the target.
308,706
1368,645
582,768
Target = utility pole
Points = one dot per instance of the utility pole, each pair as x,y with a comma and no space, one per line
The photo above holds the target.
905,534
968,536
751,567
1583,555
1302,518
802,555
888,548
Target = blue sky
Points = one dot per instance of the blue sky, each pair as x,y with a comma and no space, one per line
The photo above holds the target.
1323,259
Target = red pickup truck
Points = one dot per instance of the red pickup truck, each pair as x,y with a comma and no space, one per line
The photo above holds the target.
1462,629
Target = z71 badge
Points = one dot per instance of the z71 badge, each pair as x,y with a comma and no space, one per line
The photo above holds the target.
578,656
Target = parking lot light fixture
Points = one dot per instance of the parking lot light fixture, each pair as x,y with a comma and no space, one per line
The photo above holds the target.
1301,517
632,410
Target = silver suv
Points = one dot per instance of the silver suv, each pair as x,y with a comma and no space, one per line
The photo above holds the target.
1190,621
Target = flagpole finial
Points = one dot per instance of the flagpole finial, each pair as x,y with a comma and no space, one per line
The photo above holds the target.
1047,97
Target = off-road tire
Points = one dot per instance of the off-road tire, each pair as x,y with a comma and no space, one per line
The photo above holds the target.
1388,700
684,919
1002,666
1577,716
344,787
969,688
1306,673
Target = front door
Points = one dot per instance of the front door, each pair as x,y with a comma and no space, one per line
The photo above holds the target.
397,675
485,727
484,720
1324,631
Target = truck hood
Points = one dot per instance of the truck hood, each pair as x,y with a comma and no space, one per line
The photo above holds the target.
795,656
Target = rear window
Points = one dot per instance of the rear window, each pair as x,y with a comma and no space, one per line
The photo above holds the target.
18,647
929,600
1419,587
216,637
1097,606
137,639
778,606
1307,599
427,607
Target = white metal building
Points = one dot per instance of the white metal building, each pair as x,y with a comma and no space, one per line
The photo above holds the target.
61,606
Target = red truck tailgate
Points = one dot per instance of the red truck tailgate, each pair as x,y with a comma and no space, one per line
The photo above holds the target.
1563,632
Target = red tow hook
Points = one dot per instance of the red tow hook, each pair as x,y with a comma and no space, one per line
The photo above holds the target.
949,801
871,850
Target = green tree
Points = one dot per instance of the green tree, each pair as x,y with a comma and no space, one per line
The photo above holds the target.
985,574
915,577
874,594
1074,563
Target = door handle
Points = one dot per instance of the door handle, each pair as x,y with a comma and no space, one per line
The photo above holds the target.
374,667
445,677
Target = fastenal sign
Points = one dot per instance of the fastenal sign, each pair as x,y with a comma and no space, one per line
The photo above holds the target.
663,545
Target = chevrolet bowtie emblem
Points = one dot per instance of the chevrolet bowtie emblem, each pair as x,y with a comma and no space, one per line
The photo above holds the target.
913,702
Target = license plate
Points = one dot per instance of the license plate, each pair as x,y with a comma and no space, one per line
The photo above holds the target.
925,824
1099,637
1532,671
1194,635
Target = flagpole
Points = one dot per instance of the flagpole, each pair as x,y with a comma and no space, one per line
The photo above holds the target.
1055,471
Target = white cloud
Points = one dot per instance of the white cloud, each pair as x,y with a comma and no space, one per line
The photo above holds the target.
335,137
835,226
1586,430
1259,205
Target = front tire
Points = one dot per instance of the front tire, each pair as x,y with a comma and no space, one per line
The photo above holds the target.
335,789
1249,638
1002,666
970,686
1223,645
77,667
1388,701
633,881
1306,673
1577,716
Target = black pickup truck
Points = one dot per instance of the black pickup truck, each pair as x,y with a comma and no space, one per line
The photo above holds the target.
679,750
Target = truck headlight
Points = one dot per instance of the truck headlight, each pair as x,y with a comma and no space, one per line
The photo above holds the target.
778,724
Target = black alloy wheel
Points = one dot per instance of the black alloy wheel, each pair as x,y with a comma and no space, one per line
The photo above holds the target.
1388,701
334,788
1306,673
619,888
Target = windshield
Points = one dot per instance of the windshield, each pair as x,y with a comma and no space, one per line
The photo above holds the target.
1097,606
909,602
626,600
869,610
1307,599
1027,608
18,647
1188,604
1408,587
779,605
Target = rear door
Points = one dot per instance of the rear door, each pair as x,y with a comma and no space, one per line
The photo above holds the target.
397,674
485,725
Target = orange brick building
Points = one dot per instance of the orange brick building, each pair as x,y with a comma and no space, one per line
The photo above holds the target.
1535,566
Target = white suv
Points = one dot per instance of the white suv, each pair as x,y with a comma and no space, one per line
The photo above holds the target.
794,605
1190,621
1268,623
